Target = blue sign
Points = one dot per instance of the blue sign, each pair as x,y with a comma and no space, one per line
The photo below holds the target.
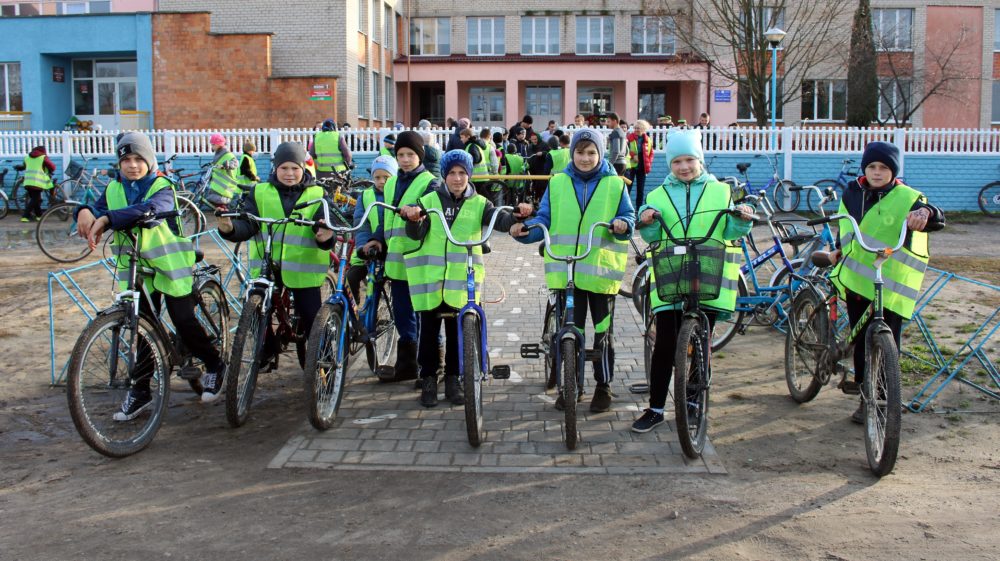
724,96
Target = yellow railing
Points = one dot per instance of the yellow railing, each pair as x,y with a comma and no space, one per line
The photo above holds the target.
15,121
134,120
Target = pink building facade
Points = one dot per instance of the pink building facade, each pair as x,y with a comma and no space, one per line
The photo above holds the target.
20,8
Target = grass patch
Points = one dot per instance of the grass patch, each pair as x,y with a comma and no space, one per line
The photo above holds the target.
966,328
954,418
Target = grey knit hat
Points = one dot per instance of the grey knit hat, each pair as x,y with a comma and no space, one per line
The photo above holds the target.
588,135
136,143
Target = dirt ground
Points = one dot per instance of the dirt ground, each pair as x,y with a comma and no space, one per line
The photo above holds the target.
797,487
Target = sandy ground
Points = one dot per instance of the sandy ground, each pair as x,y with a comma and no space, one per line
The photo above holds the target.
798,485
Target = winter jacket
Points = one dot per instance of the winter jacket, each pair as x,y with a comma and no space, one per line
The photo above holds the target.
647,159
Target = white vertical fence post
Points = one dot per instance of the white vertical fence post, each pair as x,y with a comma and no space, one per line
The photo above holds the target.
899,139
275,136
67,151
169,144
786,149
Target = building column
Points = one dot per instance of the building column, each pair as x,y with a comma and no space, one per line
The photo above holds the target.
451,99
569,103
631,100
512,108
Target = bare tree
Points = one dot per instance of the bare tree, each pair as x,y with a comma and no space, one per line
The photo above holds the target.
729,36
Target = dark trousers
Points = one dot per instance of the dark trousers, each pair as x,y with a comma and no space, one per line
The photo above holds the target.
355,275
194,338
602,307
33,206
402,311
668,325
856,306
428,354
619,168
638,177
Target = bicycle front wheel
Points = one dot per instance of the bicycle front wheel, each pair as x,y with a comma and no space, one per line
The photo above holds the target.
784,199
829,207
472,379
382,331
56,235
569,391
805,345
691,380
244,362
550,326
989,199
193,221
17,194
98,382
726,329
325,370
4,207
883,410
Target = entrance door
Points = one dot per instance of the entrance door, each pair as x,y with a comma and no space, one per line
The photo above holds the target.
102,89
486,107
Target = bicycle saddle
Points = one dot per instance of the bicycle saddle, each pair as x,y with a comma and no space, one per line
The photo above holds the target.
19,167
199,256
798,239
742,167
822,259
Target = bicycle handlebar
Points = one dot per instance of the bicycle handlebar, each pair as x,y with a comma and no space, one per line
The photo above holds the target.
447,230
695,241
858,236
825,195
569,258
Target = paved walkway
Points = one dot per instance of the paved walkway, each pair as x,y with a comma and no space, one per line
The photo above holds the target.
383,427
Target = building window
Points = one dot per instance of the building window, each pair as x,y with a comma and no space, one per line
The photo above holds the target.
544,103
996,101
893,100
539,35
762,18
363,17
390,102
70,8
20,9
10,87
824,100
595,35
377,96
996,30
362,92
387,25
594,100
744,106
104,87
376,9
485,36
430,36
893,28
653,35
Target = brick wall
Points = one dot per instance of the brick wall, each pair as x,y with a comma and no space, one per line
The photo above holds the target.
226,80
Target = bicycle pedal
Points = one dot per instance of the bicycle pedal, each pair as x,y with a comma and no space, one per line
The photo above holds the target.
531,350
850,388
500,372
190,373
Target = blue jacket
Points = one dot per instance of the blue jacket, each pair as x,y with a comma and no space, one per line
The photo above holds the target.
365,234
584,190
403,181
685,197
124,218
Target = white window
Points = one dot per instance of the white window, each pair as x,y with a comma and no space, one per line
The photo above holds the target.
485,36
377,95
824,100
996,30
10,87
595,35
652,35
376,8
104,87
893,28
430,36
761,18
390,103
21,9
69,8
996,101
362,92
363,17
387,24
539,35
591,100
745,111
544,103
893,100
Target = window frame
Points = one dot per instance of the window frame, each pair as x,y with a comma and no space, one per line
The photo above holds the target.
661,31
5,76
829,85
390,105
767,16
415,26
583,24
540,115
779,110
882,83
533,20
495,41
387,25
362,91
996,30
377,107
877,18
995,108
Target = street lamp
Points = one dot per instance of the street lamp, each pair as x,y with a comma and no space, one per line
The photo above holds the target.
774,37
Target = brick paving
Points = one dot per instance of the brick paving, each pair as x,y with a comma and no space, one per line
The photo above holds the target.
383,427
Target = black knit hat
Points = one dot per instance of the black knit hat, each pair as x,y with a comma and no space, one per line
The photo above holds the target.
289,152
411,140
883,152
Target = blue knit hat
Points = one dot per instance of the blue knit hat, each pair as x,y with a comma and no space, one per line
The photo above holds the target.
588,135
684,142
883,152
454,158
385,163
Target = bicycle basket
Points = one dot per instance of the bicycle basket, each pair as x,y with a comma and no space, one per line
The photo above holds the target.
74,170
683,270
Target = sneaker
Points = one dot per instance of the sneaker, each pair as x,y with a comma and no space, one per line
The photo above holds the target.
453,391
212,384
135,403
647,422
601,402
23,219
429,392
858,416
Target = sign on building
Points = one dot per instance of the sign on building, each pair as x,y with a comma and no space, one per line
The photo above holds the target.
321,92
723,96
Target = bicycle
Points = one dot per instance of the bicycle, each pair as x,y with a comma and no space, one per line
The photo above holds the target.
341,329
564,347
126,343
782,197
838,185
989,199
56,234
814,350
18,179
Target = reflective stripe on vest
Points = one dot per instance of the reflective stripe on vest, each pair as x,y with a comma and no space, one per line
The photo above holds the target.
397,241
903,272
168,255
303,264
482,168
326,144
35,174
602,271
715,196
223,181
560,159
437,270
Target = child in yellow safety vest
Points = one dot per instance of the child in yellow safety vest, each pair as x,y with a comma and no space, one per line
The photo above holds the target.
588,190
383,168
437,270
38,170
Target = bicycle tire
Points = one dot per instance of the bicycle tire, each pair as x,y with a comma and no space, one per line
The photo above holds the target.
882,423
472,380
5,207
382,337
569,391
15,191
806,340
57,239
691,376
193,221
324,376
640,286
831,206
241,380
989,199
780,195
212,303
726,329
549,328
93,398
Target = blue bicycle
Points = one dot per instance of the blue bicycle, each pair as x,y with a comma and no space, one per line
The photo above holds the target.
782,196
838,185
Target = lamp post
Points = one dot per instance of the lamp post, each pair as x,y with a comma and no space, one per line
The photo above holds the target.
774,36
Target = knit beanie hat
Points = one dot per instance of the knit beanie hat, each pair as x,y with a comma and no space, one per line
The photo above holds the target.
413,141
136,143
883,152
249,146
684,142
385,163
588,135
329,125
289,152
454,158
424,124
217,140
389,139
464,123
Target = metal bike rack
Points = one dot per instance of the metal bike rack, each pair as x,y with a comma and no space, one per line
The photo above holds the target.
78,294
974,347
